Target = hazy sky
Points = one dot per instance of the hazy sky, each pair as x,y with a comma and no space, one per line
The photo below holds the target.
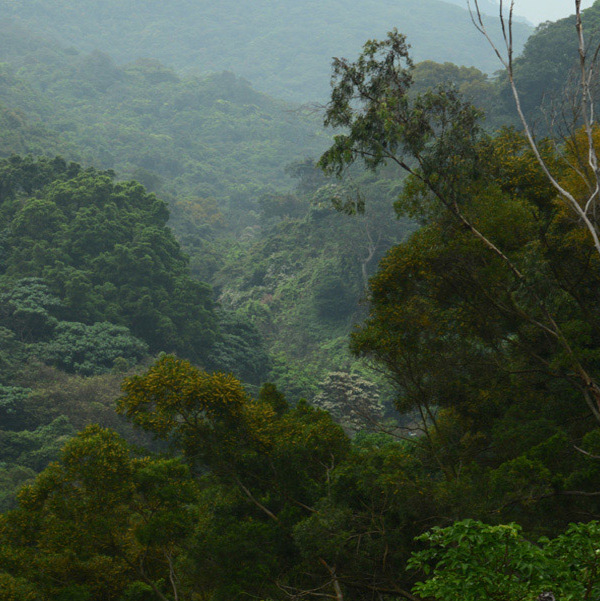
547,10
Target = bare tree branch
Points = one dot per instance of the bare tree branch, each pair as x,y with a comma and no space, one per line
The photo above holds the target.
587,111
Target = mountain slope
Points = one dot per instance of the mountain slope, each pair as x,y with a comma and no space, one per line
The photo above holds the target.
283,47
214,137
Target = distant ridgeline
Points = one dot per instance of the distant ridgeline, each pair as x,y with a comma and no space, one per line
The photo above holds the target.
214,137
208,138
491,8
283,47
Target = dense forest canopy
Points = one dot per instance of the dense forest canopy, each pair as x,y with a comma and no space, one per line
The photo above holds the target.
103,250
230,369
283,47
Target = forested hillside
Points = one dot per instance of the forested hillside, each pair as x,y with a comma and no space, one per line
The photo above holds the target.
284,47
220,154
546,72
248,351
303,278
214,137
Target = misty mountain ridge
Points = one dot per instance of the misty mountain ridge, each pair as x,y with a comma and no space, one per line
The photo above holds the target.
490,7
284,47
214,136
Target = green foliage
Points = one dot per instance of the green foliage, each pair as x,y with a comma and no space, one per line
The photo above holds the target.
474,86
269,394
34,449
17,589
12,416
544,71
471,561
98,521
12,353
300,279
12,478
104,250
267,463
45,410
441,305
175,399
389,124
217,181
22,134
331,296
183,136
28,308
375,498
84,399
240,350
260,497
89,350
470,299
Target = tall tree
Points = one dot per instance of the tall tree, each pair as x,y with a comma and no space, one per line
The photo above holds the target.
98,523
437,139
